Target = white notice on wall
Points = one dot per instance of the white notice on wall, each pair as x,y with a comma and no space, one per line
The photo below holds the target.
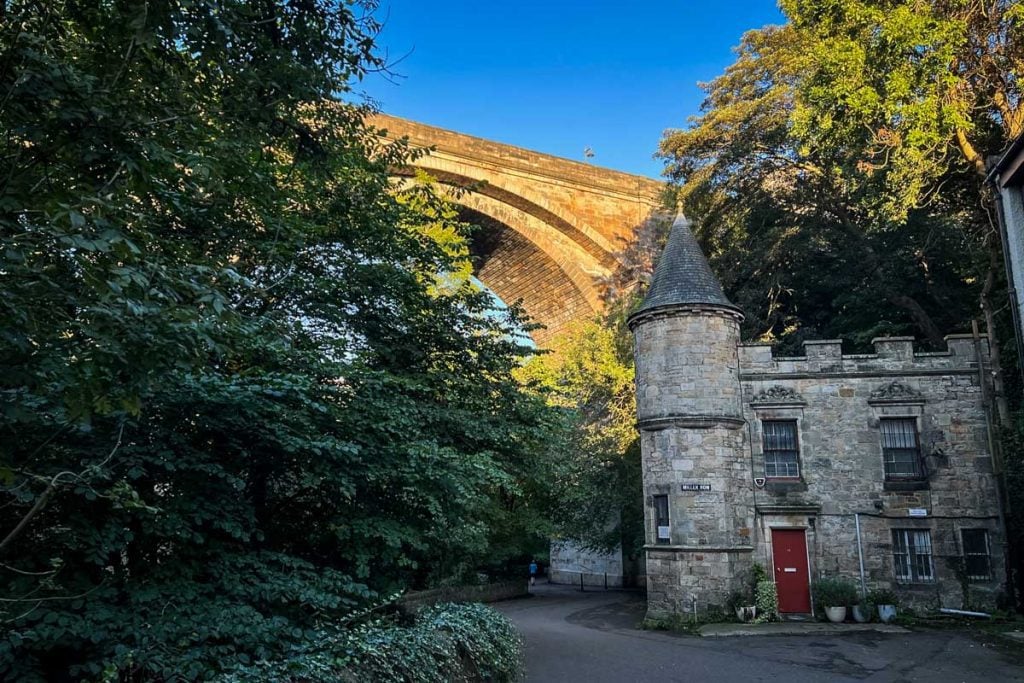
917,512
663,532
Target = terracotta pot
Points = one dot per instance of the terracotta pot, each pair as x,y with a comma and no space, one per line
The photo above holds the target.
835,614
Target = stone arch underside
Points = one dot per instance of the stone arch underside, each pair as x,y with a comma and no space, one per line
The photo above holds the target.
524,252
515,269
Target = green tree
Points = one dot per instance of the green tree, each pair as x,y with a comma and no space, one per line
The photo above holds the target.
243,386
790,239
900,95
600,494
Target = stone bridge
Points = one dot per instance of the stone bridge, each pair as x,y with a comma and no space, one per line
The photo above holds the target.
551,227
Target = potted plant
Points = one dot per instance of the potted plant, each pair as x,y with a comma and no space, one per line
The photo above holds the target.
863,609
862,612
834,595
741,603
886,602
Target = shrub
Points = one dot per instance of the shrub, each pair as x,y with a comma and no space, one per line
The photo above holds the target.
882,596
736,600
766,598
446,642
835,592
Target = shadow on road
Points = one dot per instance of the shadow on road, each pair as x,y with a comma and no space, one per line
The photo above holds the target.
593,637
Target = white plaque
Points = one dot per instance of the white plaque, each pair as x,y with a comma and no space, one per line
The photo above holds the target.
917,512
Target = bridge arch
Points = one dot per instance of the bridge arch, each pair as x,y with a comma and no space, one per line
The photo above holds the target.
550,227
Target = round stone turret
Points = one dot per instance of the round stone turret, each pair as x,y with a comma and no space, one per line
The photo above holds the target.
697,486
686,336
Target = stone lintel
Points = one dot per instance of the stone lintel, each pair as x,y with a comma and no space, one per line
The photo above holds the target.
791,509
656,424
777,404
896,401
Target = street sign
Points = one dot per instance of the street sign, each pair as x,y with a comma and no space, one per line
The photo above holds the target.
696,487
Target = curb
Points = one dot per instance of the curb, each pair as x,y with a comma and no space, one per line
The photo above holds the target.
795,629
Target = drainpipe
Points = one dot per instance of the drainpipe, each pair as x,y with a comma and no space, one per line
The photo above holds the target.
1002,499
860,556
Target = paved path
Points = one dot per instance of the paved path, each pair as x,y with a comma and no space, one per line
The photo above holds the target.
592,638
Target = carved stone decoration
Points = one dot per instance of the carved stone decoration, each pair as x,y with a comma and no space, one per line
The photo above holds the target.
778,394
896,392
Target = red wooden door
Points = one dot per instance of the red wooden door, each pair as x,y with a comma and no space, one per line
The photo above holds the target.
792,580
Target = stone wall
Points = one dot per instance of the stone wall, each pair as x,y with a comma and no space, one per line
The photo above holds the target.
571,564
681,581
837,402
686,365
515,269
489,592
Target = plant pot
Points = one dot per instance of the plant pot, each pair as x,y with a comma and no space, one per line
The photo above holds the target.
746,613
886,613
861,614
836,614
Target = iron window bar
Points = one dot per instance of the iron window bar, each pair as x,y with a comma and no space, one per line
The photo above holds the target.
901,449
781,449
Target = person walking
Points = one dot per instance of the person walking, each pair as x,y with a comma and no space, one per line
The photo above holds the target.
533,572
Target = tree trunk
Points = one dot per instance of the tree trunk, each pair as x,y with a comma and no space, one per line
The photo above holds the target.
922,320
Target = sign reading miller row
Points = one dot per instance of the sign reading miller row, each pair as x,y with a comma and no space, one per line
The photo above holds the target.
696,487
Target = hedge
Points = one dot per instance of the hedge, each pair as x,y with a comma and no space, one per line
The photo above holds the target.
449,642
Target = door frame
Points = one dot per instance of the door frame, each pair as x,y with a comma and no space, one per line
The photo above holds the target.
795,527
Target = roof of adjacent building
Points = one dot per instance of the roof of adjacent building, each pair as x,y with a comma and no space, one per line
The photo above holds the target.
683,275
1009,168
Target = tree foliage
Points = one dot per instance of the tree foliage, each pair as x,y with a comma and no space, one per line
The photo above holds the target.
242,386
824,170
598,480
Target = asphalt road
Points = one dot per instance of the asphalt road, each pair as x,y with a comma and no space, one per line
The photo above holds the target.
593,637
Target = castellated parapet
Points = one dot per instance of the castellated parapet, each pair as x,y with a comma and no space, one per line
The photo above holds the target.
751,457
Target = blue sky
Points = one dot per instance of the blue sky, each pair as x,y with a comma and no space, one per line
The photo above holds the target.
562,75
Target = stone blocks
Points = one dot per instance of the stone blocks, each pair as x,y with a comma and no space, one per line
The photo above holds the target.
838,403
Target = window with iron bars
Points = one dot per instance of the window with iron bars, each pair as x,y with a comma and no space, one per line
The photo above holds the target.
901,451
781,449
977,559
912,555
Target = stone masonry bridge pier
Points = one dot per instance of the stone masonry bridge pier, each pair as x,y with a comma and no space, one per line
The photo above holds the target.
551,227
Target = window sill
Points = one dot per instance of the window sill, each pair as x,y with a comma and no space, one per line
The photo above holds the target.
917,585
782,486
906,485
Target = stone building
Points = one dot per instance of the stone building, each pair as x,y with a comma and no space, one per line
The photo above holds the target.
1006,177
874,467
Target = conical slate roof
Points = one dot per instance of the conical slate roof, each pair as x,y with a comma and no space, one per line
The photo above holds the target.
683,275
